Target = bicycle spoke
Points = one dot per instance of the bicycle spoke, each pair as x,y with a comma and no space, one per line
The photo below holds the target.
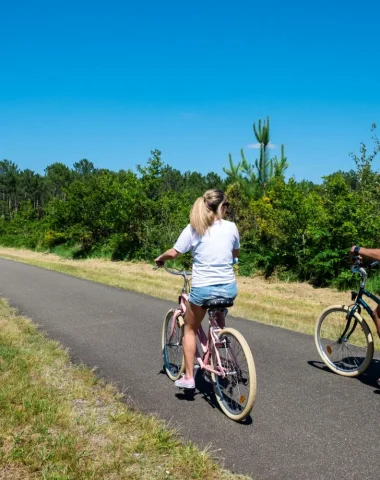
349,354
172,347
234,390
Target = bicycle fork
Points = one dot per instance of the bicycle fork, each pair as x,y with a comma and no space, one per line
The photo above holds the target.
350,315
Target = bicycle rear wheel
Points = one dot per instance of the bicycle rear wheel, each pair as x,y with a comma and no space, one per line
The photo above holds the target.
172,347
236,391
346,351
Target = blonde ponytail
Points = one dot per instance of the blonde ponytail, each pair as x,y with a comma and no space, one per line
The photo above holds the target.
206,209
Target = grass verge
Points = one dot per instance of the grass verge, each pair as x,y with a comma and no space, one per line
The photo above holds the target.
58,421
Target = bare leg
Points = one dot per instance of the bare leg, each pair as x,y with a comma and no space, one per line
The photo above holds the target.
193,318
376,317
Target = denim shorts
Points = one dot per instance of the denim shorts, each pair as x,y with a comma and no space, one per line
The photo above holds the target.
199,295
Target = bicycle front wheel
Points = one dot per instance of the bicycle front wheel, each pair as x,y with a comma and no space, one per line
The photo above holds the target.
344,343
236,390
172,347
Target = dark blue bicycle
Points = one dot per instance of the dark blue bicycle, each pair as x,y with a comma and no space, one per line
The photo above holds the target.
342,336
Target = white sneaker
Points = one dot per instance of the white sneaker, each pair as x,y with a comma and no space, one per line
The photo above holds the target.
185,383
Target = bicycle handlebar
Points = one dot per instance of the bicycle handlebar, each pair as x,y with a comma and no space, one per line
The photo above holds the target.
358,266
173,271
183,273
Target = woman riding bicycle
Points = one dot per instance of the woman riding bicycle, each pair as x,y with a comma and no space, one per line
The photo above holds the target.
214,243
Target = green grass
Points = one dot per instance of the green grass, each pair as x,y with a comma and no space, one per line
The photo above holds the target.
60,422
373,283
64,251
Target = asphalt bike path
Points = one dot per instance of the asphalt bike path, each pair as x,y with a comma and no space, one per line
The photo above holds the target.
307,423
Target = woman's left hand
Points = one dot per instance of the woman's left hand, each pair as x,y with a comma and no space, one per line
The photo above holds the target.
159,262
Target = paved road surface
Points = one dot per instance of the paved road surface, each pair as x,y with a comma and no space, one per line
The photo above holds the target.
307,423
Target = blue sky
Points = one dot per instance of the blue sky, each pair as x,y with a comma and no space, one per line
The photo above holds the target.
111,81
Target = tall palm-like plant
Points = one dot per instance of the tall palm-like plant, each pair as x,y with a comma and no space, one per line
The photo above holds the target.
279,165
263,165
234,171
254,178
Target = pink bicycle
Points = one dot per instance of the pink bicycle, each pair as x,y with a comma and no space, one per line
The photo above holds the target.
223,354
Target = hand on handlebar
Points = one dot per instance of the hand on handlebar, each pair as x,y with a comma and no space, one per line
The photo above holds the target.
159,263
355,258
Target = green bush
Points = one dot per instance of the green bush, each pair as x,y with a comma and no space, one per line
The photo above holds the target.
52,239
118,247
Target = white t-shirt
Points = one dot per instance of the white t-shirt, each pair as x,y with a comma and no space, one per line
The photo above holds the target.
212,252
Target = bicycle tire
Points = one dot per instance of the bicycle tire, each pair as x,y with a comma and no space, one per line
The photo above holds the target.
172,351
331,323
237,408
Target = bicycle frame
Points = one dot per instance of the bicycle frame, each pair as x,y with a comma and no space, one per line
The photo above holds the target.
206,341
359,302
211,340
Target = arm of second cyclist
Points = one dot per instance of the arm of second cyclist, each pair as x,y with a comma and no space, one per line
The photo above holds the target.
366,253
168,255
235,255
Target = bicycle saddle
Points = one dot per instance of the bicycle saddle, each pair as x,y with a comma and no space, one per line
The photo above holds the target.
218,303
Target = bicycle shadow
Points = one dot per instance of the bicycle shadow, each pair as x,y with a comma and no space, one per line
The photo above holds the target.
202,388
206,390
369,377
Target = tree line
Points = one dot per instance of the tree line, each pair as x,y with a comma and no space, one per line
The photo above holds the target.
296,230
